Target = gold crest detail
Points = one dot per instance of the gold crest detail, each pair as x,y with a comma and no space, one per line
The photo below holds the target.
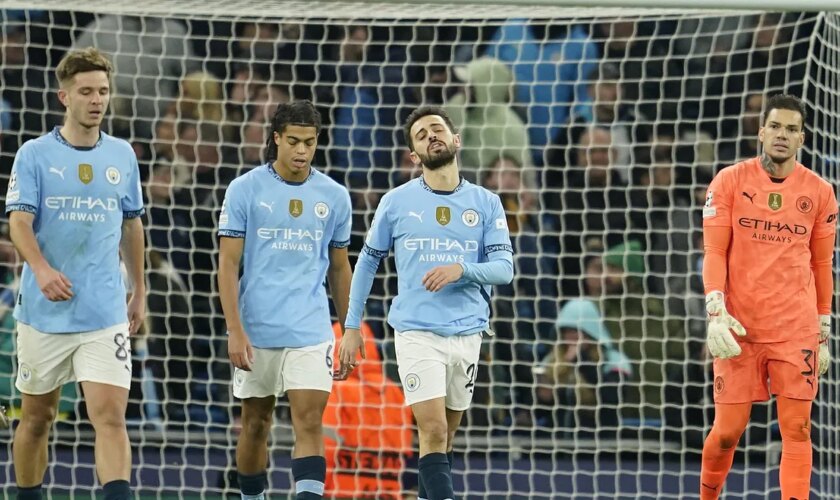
443,215
85,173
295,207
774,201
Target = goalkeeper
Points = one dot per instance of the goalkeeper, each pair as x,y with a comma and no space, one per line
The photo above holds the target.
769,225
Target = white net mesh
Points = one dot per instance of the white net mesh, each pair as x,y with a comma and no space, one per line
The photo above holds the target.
599,128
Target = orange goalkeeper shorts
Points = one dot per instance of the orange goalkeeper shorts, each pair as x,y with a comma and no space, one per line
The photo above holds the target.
786,369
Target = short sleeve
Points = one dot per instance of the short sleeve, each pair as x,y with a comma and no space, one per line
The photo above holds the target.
344,221
233,218
132,202
496,233
378,239
826,223
23,193
717,211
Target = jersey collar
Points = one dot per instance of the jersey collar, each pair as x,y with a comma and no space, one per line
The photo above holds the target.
60,138
277,176
425,186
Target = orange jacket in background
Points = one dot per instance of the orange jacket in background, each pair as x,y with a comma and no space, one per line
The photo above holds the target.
367,430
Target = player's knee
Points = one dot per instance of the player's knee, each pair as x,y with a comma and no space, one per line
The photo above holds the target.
257,426
727,439
795,429
108,418
38,422
434,433
307,422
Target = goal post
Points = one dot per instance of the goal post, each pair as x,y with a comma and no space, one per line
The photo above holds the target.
600,125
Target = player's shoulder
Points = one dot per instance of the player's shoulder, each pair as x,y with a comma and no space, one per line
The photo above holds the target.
255,176
402,192
815,179
327,183
480,192
42,142
120,145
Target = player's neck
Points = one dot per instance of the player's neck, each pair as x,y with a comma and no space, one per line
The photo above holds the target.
288,175
778,170
78,135
445,178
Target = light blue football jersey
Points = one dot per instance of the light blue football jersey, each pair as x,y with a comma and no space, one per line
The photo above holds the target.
80,197
428,228
289,229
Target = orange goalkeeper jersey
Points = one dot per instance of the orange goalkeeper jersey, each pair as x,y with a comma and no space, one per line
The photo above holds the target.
770,286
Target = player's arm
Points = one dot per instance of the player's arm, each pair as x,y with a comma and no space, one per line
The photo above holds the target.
23,198
133,249
822,256
240,350
339,275
53,284
717,236
377,245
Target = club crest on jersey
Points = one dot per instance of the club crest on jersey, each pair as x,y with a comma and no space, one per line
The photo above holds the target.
804,204
443,215
113,175
85,173
774,201
469,217
295,207
322,210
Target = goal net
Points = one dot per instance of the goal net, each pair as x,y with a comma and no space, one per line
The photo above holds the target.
600,128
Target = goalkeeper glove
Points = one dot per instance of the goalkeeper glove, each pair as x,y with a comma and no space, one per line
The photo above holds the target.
719,338
825,357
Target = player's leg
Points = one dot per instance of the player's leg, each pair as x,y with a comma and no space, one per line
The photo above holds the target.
793,379
256,389
102,364
307,378
106,405
252,446
44,365
30,442
738,382
421,360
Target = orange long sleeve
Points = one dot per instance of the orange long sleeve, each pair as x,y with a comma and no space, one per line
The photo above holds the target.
822,253
716,247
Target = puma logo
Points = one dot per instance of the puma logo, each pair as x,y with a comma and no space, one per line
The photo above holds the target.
713,488
58,172
268,206
748,196
810,382
415,214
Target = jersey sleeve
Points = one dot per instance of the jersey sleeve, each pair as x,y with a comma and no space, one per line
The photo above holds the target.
24,191
132,202
496,234
233,218
379,239
344,221
826,223
717,211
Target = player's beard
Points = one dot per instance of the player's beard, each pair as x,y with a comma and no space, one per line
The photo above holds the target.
438,159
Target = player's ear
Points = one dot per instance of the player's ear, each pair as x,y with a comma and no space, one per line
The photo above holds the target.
276,138
456,139
62,96
761,133
414,158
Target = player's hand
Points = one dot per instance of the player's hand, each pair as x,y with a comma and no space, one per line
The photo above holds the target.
351,342
136,312
54,285
240,350
441,276
824,358
720,329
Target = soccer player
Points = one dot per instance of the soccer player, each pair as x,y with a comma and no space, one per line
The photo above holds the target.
769,225
289,225
74,203
451,242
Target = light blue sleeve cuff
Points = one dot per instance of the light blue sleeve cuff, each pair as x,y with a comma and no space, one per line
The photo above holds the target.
495,272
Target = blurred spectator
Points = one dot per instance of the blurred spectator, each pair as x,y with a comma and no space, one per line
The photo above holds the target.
546,87
650,339
200,99
366,427
149,57
606,108
483,116
581,380
365,117
744,143
24,89
167,224
591,206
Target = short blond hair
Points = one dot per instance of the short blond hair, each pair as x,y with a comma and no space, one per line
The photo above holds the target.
82,61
